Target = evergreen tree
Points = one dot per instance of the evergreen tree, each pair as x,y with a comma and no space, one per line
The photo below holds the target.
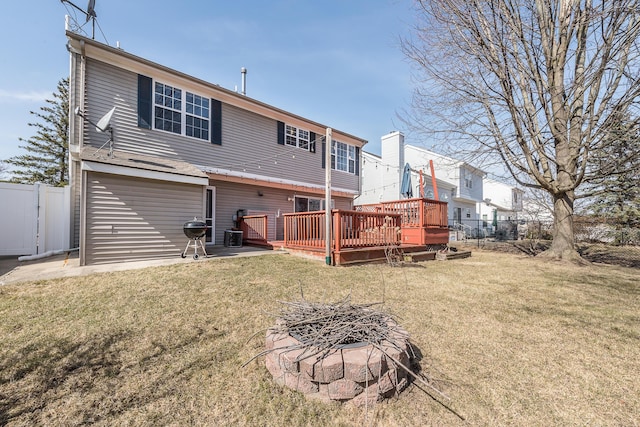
46,158
3,169
618,195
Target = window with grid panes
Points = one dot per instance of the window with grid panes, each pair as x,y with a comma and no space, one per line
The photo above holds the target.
197,116
343,157
296,137
170,107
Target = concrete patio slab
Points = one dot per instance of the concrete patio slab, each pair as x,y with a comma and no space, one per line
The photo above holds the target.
68,265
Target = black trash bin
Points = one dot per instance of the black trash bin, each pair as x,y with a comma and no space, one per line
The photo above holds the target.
233,238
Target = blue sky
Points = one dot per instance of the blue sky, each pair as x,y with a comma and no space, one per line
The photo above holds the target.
337,62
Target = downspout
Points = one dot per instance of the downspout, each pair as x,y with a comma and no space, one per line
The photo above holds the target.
83,73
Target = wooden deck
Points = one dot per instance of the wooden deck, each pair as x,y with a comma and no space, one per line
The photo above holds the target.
422,221
417,226
375,254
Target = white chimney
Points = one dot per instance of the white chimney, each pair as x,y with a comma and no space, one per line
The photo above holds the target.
392,149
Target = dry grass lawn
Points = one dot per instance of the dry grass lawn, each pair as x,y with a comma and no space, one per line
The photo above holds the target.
511,340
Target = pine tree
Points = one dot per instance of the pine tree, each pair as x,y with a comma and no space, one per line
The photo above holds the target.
618,200
46,158
3,170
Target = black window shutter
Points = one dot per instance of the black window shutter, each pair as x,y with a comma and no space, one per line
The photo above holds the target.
324,148
312,142
216,122
281,133
145,100
357,161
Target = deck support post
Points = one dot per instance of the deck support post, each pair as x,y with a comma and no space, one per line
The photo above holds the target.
327,195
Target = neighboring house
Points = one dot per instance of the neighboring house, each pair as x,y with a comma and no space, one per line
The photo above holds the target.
183,148
502,203
458,183
501,200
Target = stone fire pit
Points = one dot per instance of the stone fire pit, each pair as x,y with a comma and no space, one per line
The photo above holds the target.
338,352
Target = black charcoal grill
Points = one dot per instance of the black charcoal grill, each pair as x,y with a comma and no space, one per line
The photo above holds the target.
194,230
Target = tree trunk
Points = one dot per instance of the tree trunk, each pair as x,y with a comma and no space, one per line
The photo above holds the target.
563,244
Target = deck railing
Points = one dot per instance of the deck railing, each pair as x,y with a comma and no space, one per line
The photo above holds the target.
412,221
254,228
304,229
415,213
351,229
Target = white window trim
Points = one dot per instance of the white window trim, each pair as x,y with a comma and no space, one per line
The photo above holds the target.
297,137
351,158
315,199
183,112
467,177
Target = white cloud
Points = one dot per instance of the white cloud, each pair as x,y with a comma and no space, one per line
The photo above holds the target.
31,96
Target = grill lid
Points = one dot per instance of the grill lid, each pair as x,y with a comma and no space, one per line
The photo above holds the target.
193,229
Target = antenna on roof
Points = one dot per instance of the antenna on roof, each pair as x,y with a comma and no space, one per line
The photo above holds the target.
90,13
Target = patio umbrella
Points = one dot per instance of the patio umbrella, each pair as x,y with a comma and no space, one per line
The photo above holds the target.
405,187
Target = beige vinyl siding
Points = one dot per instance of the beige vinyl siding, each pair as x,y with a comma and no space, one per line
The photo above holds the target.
131,219
231,196
75,177
249,140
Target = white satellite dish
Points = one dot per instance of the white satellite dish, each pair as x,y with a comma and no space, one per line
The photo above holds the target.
104,123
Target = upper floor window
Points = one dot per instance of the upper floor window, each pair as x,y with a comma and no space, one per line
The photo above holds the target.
343,157
296,137
468,178
169,109
197,116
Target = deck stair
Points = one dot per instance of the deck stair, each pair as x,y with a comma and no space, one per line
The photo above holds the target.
449,255
420,256
408,253
394,254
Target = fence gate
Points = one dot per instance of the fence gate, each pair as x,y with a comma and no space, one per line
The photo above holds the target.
33,219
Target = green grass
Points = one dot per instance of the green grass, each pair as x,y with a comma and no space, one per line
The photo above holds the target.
511,340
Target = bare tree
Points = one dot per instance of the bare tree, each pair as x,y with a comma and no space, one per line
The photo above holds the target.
537,84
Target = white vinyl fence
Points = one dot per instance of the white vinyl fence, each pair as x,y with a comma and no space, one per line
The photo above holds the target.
33,219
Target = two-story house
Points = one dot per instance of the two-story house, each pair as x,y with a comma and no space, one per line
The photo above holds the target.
502,205
456,182
176,147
